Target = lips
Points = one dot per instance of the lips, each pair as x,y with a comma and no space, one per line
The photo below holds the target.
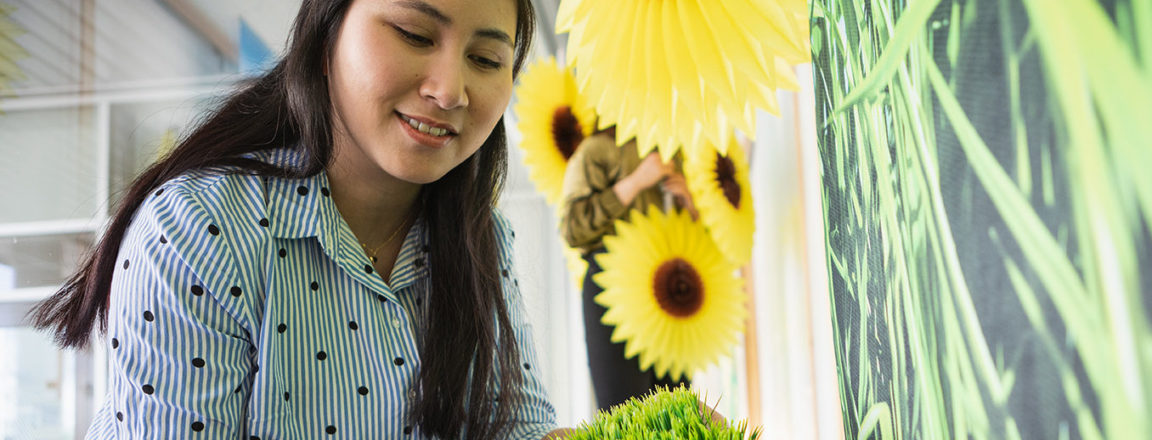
428,127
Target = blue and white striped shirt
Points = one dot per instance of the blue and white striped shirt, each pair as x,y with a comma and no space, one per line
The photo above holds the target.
244,307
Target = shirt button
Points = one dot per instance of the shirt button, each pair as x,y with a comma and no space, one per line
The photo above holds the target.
412,394
396,323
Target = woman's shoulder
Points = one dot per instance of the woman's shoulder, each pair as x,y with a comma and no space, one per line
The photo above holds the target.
219,194
221,206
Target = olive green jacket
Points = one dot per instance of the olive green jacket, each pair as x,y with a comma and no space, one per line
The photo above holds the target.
591,207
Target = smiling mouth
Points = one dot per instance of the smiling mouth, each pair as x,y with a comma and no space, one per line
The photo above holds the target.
425,128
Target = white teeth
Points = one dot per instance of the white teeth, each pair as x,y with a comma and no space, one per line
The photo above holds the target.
425,128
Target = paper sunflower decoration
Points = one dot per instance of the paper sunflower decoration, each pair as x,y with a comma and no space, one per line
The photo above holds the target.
663,414
577,267
720,188
675,72
554,118
9,30
669,292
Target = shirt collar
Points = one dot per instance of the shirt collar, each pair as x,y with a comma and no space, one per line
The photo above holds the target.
303,207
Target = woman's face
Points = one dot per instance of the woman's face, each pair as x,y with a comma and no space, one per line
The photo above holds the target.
418,85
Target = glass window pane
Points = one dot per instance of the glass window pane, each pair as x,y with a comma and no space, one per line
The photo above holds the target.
35,387
40,261
49,166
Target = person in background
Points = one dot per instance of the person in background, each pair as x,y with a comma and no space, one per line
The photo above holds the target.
604,183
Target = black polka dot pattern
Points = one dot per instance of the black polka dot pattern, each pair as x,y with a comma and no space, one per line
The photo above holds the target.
315,265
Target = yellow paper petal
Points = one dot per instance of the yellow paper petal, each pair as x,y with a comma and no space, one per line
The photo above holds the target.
544,89
670,343
677,74
731,226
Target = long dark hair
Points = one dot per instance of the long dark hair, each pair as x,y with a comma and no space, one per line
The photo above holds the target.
289,106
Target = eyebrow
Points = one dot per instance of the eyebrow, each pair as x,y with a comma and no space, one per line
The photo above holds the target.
435,14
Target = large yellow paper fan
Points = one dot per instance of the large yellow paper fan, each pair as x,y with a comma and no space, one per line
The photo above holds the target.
676,72
554,119
669,293
722,193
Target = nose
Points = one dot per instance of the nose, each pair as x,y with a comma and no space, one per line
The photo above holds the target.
445,83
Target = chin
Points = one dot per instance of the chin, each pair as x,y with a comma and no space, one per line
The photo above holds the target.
419,176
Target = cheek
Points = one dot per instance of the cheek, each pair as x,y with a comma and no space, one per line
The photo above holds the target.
494,102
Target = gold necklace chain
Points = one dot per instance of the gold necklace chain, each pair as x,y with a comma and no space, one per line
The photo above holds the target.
372,252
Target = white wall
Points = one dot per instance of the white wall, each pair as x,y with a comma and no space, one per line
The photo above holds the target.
798,390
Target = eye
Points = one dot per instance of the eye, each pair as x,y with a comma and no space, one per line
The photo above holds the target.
486,62
414,39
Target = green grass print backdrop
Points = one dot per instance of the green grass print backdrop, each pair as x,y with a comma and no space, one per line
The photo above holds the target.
987,189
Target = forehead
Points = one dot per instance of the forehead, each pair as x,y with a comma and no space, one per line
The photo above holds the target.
465,15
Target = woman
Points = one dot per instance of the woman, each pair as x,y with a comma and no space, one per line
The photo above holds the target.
321,257
602,184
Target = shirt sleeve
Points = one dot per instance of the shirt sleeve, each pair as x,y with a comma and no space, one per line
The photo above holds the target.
180,361
590,205
535,416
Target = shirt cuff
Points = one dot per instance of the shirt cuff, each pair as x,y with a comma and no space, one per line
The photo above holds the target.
612,204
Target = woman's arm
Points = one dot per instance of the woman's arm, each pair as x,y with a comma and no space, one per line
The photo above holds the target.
179,361
558,434
595,197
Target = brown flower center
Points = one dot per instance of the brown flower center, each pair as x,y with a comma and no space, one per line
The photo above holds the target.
726,178
566,131
678,288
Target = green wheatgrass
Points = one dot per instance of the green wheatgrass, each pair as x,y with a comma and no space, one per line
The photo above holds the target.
662,414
